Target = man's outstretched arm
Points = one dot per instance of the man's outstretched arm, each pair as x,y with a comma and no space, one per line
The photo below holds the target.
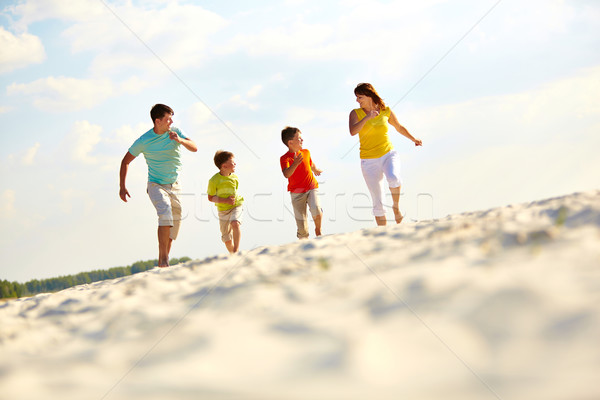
123,193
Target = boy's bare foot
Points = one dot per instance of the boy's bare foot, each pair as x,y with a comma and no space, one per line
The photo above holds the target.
381,221
317,220
397,214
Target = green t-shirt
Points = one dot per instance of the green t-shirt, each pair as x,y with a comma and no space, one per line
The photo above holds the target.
224,186
163,155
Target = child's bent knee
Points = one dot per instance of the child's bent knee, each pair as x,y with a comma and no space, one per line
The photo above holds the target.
316,213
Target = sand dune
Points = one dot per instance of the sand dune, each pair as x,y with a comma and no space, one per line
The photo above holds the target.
495,304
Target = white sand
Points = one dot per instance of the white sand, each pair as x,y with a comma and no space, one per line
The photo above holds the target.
503,303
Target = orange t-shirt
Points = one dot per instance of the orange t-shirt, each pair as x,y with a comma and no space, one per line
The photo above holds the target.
303,179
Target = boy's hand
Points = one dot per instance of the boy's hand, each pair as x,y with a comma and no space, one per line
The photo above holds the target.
317,171
297,159
230,200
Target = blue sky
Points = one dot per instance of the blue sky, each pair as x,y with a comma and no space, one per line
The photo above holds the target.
510,113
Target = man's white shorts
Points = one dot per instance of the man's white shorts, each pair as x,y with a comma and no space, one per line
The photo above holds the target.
165,199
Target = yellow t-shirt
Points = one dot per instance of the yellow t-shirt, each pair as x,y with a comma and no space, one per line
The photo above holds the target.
374,140
224,186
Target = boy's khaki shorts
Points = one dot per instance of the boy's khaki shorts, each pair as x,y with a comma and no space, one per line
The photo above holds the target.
225,220
165,199
299,202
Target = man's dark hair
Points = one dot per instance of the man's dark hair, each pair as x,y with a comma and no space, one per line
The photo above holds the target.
159,110
288,134
221,157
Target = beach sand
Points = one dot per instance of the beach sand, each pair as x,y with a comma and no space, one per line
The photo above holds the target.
495,304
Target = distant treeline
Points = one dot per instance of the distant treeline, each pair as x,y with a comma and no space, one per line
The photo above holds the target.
16,289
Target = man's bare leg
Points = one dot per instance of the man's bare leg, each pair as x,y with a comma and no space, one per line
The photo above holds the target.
229,245
381,221
396,206
317,221
164,245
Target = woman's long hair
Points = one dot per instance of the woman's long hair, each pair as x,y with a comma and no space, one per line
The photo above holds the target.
366,89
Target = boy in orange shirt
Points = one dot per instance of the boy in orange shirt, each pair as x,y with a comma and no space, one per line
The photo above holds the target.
298,168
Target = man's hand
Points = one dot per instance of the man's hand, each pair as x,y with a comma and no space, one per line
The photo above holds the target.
418,142
123,194
174,136
187,143
317,171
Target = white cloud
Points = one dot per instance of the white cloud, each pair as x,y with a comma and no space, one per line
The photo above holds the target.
300,116
198,114
347,34
5,109
125,37
81,141
315,116
198,121
129,40
7,205
248,100
29,157
254,91
18,51
63,93
133,85
127,134
299,40
30,11
240,100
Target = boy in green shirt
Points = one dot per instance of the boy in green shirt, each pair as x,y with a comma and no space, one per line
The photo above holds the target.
222,190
